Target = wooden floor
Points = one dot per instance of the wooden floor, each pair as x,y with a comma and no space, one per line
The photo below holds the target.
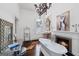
31,45
32,48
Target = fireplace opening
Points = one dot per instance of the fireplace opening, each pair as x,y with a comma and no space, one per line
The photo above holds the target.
66,42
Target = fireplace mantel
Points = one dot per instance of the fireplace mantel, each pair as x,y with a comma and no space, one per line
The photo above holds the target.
72,35
67,34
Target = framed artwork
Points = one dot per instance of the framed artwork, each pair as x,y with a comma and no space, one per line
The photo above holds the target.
63,21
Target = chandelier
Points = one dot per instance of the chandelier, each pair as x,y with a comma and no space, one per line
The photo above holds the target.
41,8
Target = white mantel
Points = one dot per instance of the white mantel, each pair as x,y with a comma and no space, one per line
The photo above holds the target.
72,35
67,34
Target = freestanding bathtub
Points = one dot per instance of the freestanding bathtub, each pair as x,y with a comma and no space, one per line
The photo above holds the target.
50,48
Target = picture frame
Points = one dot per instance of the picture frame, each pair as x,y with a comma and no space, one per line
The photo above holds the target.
63,21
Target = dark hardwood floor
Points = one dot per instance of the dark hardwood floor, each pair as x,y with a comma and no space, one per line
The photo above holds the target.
31,45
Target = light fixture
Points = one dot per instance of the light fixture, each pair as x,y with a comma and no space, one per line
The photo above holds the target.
42,7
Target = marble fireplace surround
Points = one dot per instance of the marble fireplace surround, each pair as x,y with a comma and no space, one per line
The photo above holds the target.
74,36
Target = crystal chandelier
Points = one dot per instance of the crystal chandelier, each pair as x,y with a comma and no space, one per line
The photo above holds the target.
42,7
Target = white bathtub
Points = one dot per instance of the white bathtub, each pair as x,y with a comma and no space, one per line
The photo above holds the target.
51,48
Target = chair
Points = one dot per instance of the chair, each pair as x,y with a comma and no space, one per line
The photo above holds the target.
17,49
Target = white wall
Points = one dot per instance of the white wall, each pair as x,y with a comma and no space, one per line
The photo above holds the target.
27,19
59,8
8,11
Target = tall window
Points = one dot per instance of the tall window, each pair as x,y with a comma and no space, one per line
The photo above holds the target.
5,34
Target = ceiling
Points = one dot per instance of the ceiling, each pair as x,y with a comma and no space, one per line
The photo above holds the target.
28,6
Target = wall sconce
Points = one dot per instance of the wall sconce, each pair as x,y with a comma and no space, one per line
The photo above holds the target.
76,26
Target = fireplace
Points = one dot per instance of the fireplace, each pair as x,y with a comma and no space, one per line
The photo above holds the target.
66,42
